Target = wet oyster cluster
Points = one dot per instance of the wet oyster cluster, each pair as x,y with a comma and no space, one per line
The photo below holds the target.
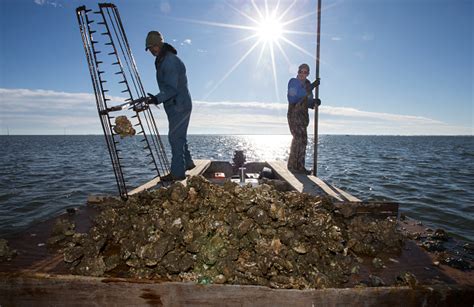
123,127
208,233
6,253
435,241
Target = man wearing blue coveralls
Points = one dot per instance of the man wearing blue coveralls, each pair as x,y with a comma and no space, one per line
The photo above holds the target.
174,95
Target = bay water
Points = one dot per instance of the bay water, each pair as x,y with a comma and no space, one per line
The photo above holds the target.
431,177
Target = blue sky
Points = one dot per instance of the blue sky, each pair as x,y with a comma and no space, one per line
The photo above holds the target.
387,66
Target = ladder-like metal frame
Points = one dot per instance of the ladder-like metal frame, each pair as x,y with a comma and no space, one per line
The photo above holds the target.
136,100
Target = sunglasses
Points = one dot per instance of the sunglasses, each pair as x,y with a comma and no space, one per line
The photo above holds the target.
305,72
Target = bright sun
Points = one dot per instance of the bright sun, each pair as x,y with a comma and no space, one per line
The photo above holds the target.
270,29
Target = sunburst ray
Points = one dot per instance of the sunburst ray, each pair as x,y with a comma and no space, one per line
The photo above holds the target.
275,79
268,30
218,24
232,69
264,45
298,18
257,10
298,47
285,56
282,15
242,13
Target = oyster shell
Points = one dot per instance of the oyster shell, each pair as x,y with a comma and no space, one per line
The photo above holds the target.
208,233
123,126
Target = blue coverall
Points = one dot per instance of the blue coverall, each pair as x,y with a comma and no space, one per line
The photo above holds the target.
175,96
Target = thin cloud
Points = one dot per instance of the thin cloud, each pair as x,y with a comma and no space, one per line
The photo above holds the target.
335,38
236,105
46,111
46,2
327,110
351,112
20,100
165,7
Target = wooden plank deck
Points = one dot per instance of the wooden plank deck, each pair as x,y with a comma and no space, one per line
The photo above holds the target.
52,290
346,195
201,166
150,184
325,187
309,184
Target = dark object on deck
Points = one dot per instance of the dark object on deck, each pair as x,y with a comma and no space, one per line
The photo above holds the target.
239,159
457,263
267,173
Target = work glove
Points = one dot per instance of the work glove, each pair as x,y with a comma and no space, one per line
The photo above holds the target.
313,102
152,99
316,82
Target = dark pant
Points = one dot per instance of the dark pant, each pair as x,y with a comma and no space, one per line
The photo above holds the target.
298,120
177,136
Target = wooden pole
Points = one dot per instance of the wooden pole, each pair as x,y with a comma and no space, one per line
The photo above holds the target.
316,94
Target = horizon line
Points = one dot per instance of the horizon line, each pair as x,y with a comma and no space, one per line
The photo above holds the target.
250,134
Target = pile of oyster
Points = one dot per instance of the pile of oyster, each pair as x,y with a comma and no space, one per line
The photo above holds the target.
208,233
123,127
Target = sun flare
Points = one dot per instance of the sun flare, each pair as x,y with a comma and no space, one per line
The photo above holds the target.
269,29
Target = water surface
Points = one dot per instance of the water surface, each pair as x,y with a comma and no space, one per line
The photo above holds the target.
431,177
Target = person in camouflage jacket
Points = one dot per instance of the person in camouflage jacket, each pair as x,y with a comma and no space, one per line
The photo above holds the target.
300,98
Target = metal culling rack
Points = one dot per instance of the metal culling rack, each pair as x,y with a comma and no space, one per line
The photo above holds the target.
114,75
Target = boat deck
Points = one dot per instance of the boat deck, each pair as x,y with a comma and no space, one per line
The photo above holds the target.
300,182
38,276
201,166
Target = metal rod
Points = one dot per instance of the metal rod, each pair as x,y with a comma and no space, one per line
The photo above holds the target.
316,94
132,59
113,22
111,43
99,91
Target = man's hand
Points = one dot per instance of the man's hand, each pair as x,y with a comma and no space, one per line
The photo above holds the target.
152,99
312,103
316,82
